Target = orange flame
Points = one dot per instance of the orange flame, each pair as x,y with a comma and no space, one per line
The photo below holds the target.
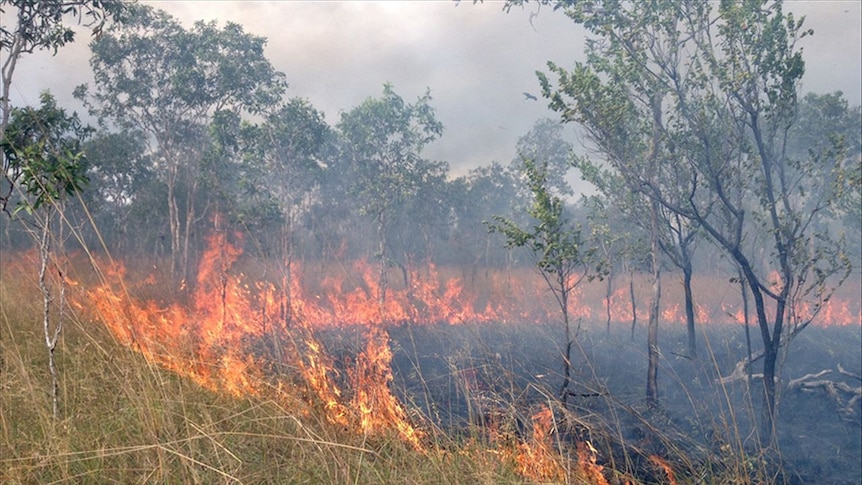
590,470
209,341
661,463
536,458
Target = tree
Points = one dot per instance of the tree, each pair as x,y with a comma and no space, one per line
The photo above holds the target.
292,149
43,149
827,127
560,252
40,26
617,235
382,142
157,77
725,78
491,190
545,142
119,173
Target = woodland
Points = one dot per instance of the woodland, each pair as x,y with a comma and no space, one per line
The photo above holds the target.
211,282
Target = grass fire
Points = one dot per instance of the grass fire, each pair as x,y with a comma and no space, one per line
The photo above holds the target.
214,275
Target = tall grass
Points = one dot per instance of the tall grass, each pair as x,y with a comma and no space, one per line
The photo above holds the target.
126,420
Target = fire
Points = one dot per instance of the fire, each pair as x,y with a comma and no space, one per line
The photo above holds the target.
665,466
590,470
209,341
219,335
375,404
536,458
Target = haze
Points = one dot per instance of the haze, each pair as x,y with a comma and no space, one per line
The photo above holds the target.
475,59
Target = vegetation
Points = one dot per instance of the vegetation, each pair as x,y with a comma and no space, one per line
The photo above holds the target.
202,260
692,104
562,256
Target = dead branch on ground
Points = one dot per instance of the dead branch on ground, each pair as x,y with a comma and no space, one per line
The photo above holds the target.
833,389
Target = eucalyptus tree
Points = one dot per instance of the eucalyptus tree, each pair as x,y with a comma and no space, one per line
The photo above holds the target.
490,190
43,147
545,141
382,140
562,255
424,218
827,128
704,94
26,27
619,244
120,174
153,75
288,153
639,211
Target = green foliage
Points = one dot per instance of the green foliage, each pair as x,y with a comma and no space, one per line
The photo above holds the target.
383,140
545,142
155,74
692,104
43,149
556,243
40,24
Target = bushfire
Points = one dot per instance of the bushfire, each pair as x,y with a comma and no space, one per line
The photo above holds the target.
230,327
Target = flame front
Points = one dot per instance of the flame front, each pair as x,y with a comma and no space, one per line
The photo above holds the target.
216,337
210,340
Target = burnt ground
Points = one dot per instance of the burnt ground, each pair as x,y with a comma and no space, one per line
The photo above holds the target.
463,376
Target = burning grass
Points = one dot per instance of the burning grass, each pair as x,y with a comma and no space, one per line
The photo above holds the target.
221,381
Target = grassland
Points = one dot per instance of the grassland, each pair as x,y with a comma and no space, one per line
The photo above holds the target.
124,419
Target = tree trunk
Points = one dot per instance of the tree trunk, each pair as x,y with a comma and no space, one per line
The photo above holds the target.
633,301
608,294
746,320
381,250
567,358
689,309
652,335
174,220
51,335
770,351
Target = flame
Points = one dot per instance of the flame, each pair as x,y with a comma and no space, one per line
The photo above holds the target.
536,459
208,341
590,471
216,336
663,464
375,404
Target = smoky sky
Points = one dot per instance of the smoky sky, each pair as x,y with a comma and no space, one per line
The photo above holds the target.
476,60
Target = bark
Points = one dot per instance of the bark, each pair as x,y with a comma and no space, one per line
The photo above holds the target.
744,291
381,250
689,310
652,394
633,301
608,294
567,358
173,218
51,333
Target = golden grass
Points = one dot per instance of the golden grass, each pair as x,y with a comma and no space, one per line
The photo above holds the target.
125,420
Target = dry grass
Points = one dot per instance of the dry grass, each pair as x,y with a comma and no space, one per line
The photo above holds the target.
125,420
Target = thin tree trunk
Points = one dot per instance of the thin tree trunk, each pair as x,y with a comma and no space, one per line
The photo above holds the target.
51,335
746,321
608,294
689,310
174,219
381,249
652,395
567,358
633,301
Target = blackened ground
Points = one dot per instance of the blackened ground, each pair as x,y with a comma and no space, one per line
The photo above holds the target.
496,376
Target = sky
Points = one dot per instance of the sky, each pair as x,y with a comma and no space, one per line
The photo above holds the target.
476,60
